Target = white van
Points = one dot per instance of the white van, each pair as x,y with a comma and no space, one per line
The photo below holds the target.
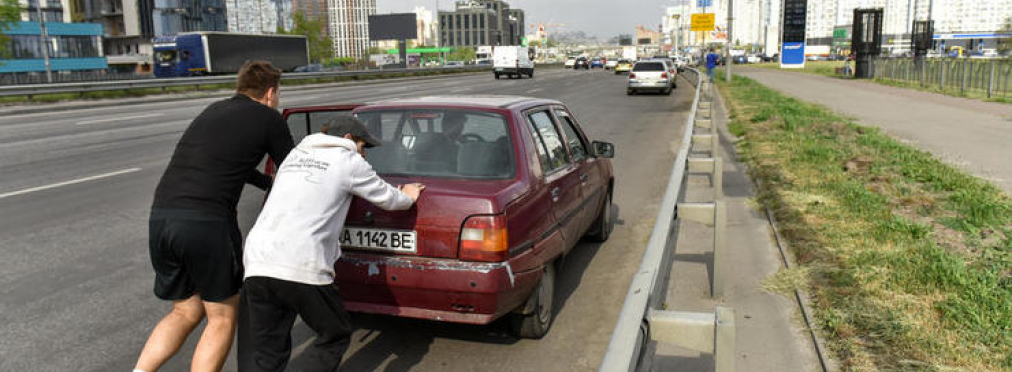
513,61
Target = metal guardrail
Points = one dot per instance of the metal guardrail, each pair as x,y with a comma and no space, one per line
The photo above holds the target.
989,77
643,318
30,90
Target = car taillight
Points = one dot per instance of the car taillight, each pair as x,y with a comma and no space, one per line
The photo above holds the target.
632,75
483,238
664,75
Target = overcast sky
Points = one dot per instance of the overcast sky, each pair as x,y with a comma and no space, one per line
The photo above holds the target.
604,19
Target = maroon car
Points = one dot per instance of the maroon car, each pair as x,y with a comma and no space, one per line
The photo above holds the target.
512,184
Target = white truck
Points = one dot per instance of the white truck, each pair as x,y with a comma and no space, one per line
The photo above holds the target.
483,56
513,61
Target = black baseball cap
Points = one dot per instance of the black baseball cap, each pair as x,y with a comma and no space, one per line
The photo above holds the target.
342,125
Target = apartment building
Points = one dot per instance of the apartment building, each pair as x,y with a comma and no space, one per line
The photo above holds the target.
349,26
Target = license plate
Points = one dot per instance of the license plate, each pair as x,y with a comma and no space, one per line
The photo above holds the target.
396,241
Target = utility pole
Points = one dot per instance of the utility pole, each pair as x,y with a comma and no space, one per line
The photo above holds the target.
730,39
45,41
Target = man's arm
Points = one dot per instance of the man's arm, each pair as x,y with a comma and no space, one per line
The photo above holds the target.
260,180
279,140
366,184
279,144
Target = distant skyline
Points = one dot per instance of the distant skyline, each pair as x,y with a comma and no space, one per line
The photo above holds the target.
604,19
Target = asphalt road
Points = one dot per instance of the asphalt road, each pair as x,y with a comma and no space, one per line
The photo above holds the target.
75,279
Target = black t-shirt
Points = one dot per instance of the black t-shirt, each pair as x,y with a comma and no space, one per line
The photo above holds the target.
219,153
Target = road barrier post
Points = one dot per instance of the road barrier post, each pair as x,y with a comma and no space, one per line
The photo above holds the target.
966,73
990,80
703,332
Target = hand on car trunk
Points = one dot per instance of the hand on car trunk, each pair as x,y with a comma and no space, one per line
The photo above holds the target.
412,189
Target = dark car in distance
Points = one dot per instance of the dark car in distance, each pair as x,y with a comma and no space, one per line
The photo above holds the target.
512,185
581,62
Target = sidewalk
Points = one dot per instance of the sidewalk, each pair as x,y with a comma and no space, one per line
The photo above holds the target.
973,135
771,335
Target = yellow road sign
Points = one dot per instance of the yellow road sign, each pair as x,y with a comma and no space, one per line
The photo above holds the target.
703,22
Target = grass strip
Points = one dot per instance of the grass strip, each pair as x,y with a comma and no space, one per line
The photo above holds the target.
824,68
908,259
140,92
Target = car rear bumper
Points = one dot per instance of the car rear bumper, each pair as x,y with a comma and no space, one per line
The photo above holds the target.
658,84
430,288
507,70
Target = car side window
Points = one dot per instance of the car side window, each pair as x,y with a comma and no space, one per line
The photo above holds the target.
544,128
577,145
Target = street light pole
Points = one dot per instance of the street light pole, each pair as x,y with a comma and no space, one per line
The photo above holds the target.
730,39
45,41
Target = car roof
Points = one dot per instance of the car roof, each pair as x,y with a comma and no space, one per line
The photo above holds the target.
477,101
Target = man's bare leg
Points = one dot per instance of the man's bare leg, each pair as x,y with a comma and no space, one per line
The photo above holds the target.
170,333
217,338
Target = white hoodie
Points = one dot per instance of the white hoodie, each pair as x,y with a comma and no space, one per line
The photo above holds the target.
296,236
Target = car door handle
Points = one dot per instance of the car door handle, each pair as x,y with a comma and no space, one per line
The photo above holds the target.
584,177
555,194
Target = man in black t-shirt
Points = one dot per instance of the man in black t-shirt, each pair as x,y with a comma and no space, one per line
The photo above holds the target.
194,238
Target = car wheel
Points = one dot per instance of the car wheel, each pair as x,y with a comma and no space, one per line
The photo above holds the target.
667,92
603,223
530,74
541,301
497,76
630,92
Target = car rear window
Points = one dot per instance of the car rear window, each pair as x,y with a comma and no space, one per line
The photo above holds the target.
440,143
649,66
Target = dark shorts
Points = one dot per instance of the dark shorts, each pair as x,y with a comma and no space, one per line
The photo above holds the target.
194,252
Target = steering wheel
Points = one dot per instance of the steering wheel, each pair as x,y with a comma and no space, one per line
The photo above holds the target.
470,137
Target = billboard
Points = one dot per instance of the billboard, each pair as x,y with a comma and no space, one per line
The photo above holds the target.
792,49
397,26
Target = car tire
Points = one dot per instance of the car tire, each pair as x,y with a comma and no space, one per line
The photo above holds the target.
603,224
530,74
542,300
667,92
630,92
497,76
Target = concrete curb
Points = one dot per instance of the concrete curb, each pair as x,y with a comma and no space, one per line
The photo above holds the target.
801,298
169,97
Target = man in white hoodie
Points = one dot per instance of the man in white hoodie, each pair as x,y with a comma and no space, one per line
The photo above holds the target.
290,252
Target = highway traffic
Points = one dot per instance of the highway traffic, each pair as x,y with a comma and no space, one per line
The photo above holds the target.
78,184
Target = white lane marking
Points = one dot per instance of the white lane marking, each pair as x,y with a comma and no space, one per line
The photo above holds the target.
67,183
118,118
535,90
458,90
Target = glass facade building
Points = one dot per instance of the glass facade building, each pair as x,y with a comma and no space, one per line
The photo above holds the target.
71,47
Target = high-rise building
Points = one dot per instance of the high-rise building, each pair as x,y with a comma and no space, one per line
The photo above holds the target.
481,22
349,26
313,9
260,16
425,23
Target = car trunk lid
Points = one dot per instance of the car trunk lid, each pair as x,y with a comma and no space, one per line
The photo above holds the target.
437,216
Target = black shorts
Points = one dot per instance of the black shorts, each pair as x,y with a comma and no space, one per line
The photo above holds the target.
194,252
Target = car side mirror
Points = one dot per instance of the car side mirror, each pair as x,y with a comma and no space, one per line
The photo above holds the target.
604,149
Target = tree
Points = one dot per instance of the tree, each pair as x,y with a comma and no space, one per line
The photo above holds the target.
1005,44
321,46
461,54
10,12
